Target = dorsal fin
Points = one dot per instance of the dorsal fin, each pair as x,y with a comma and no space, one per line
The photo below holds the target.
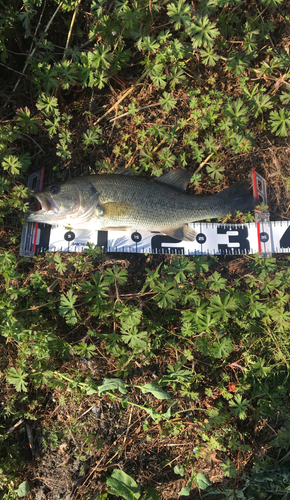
124,171
178,178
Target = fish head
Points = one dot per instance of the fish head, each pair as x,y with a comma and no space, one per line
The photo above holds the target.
69,203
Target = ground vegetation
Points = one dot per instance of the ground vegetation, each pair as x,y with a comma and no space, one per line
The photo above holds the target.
144,376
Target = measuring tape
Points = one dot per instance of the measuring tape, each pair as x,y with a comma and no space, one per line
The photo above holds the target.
262,236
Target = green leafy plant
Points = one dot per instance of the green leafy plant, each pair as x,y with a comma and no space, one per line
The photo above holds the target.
239,407
122,485
17,377
67,308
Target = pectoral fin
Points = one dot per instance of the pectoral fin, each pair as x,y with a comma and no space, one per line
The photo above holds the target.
184,233
114,209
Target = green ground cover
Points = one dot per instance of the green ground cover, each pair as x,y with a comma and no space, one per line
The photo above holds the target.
144,376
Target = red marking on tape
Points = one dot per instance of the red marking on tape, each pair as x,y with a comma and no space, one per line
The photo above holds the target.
256,198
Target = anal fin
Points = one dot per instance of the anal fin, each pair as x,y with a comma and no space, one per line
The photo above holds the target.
184,233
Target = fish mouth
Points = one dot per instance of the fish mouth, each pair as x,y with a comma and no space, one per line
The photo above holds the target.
47,203
49,211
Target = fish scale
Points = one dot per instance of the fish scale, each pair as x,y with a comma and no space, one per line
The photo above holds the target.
153,205
110,201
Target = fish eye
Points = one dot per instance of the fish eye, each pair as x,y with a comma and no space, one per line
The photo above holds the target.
55,189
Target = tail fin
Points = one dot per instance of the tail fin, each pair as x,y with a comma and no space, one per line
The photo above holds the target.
237,197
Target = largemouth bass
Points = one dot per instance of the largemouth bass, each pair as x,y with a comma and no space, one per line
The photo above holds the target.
129,202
